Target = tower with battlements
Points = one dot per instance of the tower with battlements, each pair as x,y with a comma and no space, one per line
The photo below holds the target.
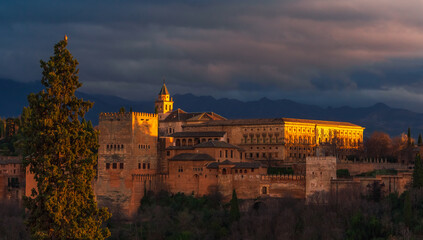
127,147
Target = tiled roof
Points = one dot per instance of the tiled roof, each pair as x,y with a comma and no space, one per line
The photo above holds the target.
180,148
215,165
198,134
231,122
192,157
180,115
321,122
270,121
164,90
247,165
215,144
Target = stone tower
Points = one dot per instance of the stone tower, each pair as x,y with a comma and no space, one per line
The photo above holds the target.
164,103
127,148
320,171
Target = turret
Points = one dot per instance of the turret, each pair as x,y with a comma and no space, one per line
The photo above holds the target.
164,103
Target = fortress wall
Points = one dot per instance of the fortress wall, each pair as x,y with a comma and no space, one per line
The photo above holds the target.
360,167
250,186
143,183
360,185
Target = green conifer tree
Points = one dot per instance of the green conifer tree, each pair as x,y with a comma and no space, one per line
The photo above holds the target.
234,211
122,110
420,141
60,151
409,137
418,173
407,210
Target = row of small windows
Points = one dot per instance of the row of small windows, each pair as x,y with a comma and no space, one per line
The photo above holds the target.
300,148
191,142
261,140
143,146
264,148
258,129
114,165
301,130
264,155
241,170
144,165
226,153
299,155
197,169
114,146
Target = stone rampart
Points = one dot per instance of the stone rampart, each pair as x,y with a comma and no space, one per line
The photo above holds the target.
356,168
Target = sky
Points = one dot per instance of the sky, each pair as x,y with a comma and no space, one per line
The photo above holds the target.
324,52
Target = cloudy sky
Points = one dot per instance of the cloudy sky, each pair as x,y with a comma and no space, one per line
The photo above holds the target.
325,52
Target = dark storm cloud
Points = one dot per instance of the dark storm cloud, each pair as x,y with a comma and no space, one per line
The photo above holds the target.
245,49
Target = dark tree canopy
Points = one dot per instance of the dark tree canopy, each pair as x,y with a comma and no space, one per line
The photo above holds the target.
61,151
418,173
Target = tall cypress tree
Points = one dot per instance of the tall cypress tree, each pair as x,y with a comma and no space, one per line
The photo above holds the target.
420,141
234,211
409,137
61,152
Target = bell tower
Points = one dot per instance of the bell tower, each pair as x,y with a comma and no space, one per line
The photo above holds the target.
164,103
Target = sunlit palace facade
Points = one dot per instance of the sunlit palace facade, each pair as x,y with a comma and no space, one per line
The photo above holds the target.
201,152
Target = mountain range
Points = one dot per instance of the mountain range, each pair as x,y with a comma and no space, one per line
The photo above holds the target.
378,117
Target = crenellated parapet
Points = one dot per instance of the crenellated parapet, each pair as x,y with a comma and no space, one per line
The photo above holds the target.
124,116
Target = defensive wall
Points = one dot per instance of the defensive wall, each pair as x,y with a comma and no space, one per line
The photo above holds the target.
369,165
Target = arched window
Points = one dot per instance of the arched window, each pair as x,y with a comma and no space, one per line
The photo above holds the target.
189,142
184,142
264,190
178,142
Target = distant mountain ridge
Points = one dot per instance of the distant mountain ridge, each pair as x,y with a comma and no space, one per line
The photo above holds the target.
378,117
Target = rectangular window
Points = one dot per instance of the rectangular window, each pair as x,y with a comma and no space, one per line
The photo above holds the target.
121,165
168,153
107,165
232,153
143,166
148,165
226,153
139,165
114,165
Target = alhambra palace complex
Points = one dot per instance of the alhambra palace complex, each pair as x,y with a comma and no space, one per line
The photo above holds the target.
203,152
